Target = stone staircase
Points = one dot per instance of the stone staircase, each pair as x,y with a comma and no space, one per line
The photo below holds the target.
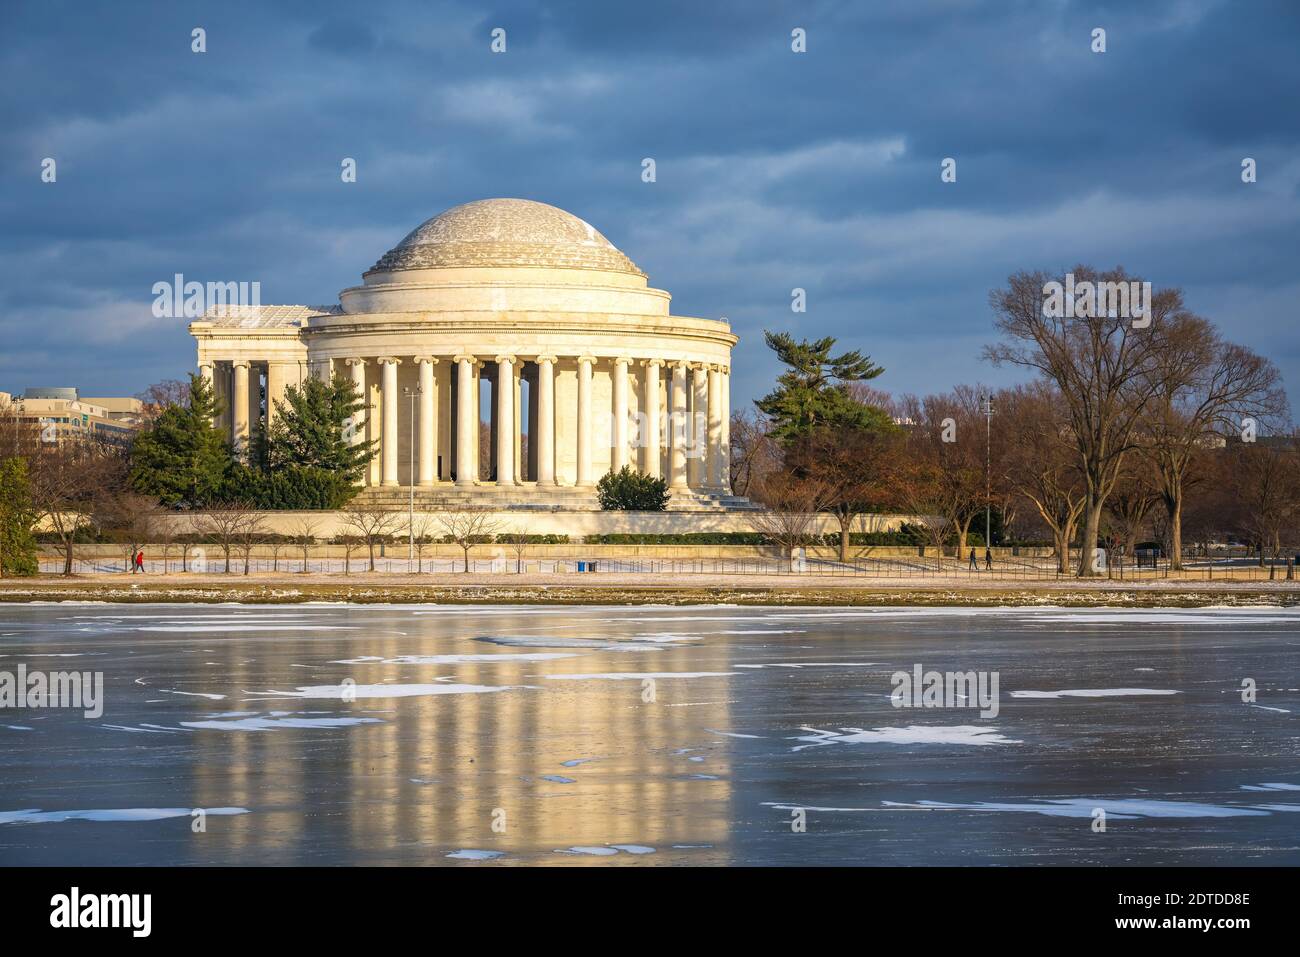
530,498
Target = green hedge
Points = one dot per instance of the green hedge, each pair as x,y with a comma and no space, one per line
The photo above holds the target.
692,538
292,487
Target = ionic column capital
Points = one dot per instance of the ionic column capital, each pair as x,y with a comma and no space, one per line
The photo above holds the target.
385,360
506,358
588,359
654,363
431,360
546,358
355,361
240,363
463,357
622,360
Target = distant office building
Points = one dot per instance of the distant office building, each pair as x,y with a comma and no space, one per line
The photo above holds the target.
61,412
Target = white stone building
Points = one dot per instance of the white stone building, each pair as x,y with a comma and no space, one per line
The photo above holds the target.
511,311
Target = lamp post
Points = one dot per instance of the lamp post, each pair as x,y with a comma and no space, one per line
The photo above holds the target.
986,403
411,394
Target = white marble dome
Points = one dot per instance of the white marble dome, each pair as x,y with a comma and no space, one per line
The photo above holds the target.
496,233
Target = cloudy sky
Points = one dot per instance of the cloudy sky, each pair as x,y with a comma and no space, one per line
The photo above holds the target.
775,169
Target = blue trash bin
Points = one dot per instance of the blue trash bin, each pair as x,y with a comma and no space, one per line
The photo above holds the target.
582,566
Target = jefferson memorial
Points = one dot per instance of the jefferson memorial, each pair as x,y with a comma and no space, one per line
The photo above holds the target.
503,322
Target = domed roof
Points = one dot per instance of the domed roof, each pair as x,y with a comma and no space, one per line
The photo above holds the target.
505,232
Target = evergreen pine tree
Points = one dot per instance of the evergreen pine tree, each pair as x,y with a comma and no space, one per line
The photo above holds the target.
311,430
17,516
183,459
813,393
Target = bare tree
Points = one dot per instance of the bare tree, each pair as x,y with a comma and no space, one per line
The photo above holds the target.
67,478
422,534
1129,506
1040,463
1206,388
162,394
230,526
350,544
1268,486
754,453
468,526
1103,370
251,533
130,519
790,509
372,523
305,530
922,489
947,437
518,540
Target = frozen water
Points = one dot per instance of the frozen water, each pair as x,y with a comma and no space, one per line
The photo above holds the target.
405,729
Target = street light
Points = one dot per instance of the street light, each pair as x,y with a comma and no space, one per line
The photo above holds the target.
410,512
986,402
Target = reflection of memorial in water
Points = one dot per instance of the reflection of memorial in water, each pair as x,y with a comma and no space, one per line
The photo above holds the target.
428,779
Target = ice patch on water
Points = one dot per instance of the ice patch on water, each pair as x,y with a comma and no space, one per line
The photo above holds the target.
276,721
198,627
1271,786
196,694
574,762
474,855
36,816
558,779
609,850
638,675
383,690
810,664
732,734
593,851
140,730
658,643
1092,693
456,659
1264,707
1120,809
963,734
16,727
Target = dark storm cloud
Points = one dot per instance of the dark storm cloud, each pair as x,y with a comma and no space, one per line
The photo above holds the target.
775,170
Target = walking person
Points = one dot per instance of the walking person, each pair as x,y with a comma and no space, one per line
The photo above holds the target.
139,561
974,565
988,559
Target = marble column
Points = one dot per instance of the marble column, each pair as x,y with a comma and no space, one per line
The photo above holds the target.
357,426
239,414
584,421
388,436
725,447
277,379
466,421
505,420
206,372
715,427
428,420
651,410
254,402
679,428
619,438
545,420
699,412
